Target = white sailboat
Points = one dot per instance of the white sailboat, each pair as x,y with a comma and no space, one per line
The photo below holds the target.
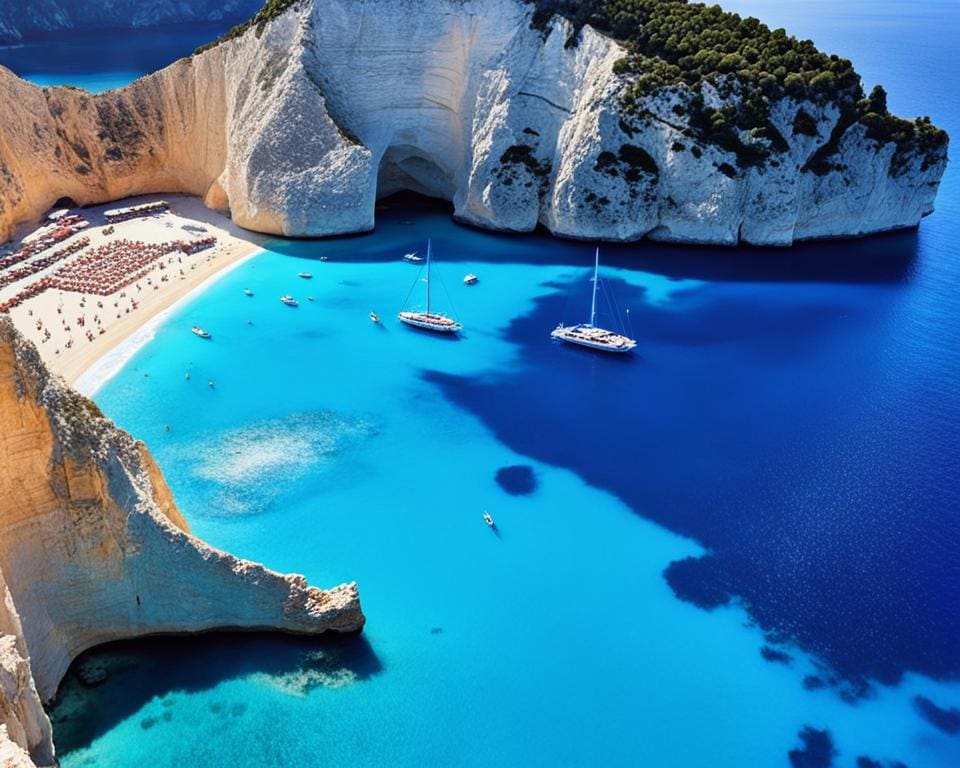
429,321
588,334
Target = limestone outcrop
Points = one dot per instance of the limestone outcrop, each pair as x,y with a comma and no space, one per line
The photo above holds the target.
93,549
24,728
300,124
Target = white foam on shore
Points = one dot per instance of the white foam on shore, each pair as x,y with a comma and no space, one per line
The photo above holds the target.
112,362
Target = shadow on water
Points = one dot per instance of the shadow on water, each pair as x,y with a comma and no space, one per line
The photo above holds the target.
749,423
110,683
882,258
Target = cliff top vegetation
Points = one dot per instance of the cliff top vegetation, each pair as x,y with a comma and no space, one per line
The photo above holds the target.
674,43
270,10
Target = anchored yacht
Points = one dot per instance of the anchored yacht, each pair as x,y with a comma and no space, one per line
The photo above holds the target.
198,331
290,301
588,334
429,321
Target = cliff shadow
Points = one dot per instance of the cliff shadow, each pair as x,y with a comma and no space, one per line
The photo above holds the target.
112,682
405,220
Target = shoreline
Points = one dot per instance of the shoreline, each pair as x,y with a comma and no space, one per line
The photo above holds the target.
88,362
107,365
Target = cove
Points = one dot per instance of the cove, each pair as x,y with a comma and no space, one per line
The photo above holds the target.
345,450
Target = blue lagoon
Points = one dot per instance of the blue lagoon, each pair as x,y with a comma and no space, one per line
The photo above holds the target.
760,417
735,547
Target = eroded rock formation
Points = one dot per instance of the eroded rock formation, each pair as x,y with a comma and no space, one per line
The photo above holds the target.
93,549
24,727
300,124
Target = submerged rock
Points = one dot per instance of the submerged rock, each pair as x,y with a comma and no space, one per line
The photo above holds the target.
817,750
947,719
517,480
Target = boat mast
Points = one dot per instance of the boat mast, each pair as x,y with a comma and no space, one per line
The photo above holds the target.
593,303
428,276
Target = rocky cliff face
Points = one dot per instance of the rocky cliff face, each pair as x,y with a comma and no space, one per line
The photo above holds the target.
24,727
21,19
299,125
93,549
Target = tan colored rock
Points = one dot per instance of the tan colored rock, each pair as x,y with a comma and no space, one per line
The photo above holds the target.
93,548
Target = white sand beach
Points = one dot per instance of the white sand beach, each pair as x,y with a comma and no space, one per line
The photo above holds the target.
87,337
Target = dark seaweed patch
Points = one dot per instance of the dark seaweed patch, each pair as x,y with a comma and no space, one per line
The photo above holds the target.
868,762
946,719
772,654
817,750
517,480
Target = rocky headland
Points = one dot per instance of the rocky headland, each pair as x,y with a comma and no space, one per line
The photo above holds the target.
299,121
93,549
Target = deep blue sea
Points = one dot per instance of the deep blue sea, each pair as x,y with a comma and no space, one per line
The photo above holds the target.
737,548
101,60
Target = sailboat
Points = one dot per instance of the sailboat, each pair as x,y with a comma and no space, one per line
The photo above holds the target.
588,334
430,321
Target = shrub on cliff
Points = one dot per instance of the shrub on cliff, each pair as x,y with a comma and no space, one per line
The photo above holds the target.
270,10
677,43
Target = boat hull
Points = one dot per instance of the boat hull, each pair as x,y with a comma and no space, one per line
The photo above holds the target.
565,335
418,320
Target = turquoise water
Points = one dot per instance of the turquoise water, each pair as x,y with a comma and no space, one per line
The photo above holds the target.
775,468
323,450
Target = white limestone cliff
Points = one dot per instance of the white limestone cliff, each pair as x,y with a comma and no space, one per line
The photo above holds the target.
93,549
24,728
299,126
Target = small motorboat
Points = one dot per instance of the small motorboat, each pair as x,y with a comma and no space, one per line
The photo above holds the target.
304,275
289,301
470,279
198,331
324,258
309,298
413,258
488,519
247,292
374,317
